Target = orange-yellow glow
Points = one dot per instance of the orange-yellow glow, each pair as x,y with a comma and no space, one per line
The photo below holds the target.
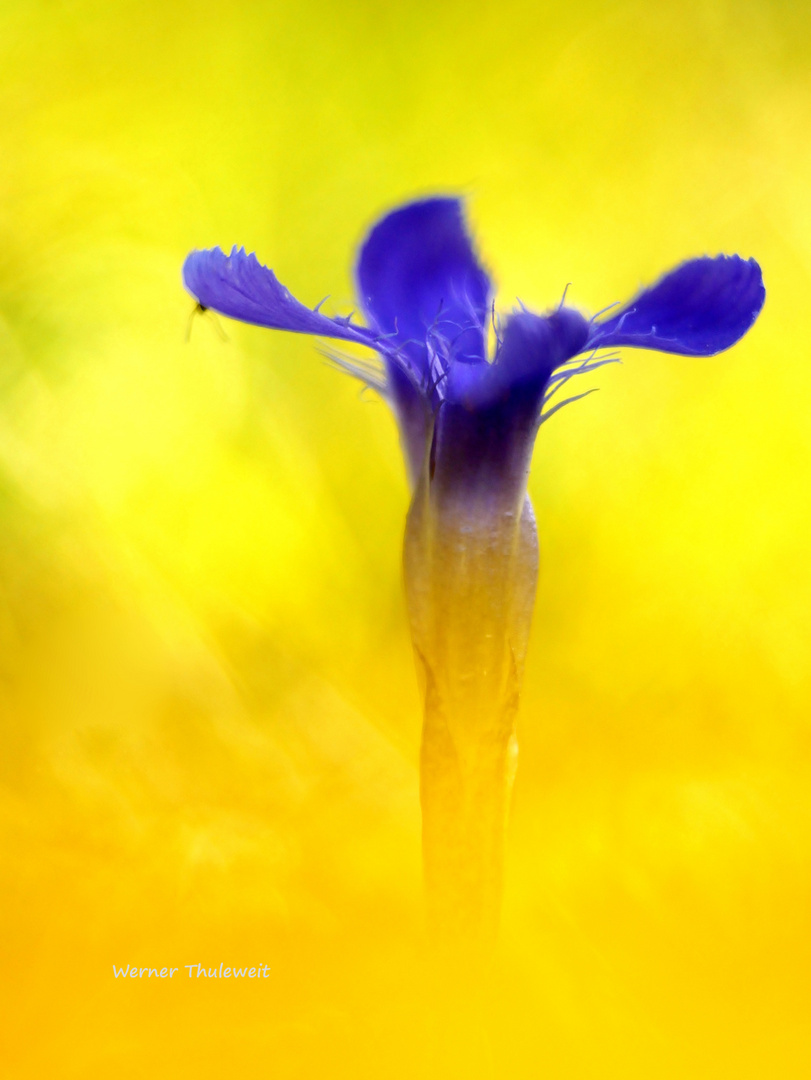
209,716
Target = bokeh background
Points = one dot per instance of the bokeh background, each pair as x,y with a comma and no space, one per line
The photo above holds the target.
210,721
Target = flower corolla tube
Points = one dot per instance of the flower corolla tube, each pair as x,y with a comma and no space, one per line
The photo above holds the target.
468,423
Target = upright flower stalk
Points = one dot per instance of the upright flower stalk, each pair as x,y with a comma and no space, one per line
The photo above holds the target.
470,572
468,423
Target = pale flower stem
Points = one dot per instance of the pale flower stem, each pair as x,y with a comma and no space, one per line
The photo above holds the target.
470,574
465,805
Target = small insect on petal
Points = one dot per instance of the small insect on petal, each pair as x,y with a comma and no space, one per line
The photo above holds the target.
200,309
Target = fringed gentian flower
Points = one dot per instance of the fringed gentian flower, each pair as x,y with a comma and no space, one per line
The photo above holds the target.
468,422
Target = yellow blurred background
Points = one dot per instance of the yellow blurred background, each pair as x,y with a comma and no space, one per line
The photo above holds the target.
210,720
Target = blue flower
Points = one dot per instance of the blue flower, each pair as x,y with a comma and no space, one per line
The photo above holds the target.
428,304
468,424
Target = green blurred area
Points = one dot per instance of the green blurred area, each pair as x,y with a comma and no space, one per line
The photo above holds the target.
210,721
